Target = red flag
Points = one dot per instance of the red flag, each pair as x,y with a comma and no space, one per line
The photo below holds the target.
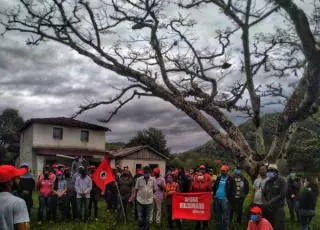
103,175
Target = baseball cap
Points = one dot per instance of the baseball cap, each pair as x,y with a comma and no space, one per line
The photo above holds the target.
224,168
8,172
202,167
24,164
273,167
256,210
156,170
59,173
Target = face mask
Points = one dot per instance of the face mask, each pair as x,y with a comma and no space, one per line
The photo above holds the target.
254,217
271,174
46,175
292,175
305,184
67,174
59,177
146,175
200,177
237,171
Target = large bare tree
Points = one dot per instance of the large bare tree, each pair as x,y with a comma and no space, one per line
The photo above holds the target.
161,55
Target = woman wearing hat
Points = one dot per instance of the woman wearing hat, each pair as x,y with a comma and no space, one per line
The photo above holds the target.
257,222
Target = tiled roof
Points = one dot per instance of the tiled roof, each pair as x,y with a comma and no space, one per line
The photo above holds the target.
64,121
123,152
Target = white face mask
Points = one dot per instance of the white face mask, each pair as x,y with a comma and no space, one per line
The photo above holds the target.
200,177
305,184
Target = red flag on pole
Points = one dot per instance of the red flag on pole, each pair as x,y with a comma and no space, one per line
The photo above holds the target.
103,175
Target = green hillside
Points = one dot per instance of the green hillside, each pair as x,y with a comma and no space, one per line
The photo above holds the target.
302,152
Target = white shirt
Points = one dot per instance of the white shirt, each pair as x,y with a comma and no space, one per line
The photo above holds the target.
145,190
13,210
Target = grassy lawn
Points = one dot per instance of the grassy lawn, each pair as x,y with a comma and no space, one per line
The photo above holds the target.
106,221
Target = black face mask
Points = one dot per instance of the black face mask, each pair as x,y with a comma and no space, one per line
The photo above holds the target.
46,175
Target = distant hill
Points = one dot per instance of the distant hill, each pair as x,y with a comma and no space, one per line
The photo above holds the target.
303,150
115,145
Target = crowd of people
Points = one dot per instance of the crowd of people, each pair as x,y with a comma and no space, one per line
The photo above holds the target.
67,194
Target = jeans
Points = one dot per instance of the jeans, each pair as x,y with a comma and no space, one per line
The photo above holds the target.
58,203
83,208
205,224
305,222
44,204
169,216
157,205
222,213
119,211
237,208
93,202
144,212
293,208
71,205
27,197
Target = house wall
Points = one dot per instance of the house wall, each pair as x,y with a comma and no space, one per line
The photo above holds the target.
42,137
132,164
26,147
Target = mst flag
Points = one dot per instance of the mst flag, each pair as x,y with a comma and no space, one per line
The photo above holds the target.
103,175
191,206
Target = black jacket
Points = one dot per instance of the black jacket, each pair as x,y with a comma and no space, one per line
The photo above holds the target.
274,193
230,188
308,199
245,185
293,187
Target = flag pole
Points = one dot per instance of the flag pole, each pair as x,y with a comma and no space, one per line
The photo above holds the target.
106,156
121,203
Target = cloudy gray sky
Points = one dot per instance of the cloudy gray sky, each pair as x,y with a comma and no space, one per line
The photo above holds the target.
52,80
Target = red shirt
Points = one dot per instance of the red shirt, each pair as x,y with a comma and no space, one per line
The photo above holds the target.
45,187
201,186
262,225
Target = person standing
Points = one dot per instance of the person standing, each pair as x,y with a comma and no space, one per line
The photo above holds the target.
139,173
110,196
125,185
307,202
171,188
223,193
13,210
257,222
294,186
258,186
83,188
94,195
274,194
158,195
144,192
59,197
71,197
27,185
45,187
241,188
201,184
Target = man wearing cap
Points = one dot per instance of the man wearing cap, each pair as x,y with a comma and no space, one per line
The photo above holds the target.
27,185
144,190
13,210
158,195
223,193
257,222
274,194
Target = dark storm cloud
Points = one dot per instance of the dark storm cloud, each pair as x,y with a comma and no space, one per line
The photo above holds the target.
52,80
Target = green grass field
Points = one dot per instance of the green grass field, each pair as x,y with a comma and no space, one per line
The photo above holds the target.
106,221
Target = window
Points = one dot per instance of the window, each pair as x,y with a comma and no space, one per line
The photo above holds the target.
58,133
138,166
153,166
84,136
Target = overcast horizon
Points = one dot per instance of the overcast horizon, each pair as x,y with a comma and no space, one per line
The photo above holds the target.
51,80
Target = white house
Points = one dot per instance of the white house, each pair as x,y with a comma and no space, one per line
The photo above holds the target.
45,140
137,157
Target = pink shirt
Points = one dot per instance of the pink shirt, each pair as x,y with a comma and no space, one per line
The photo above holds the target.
45,187
262,225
